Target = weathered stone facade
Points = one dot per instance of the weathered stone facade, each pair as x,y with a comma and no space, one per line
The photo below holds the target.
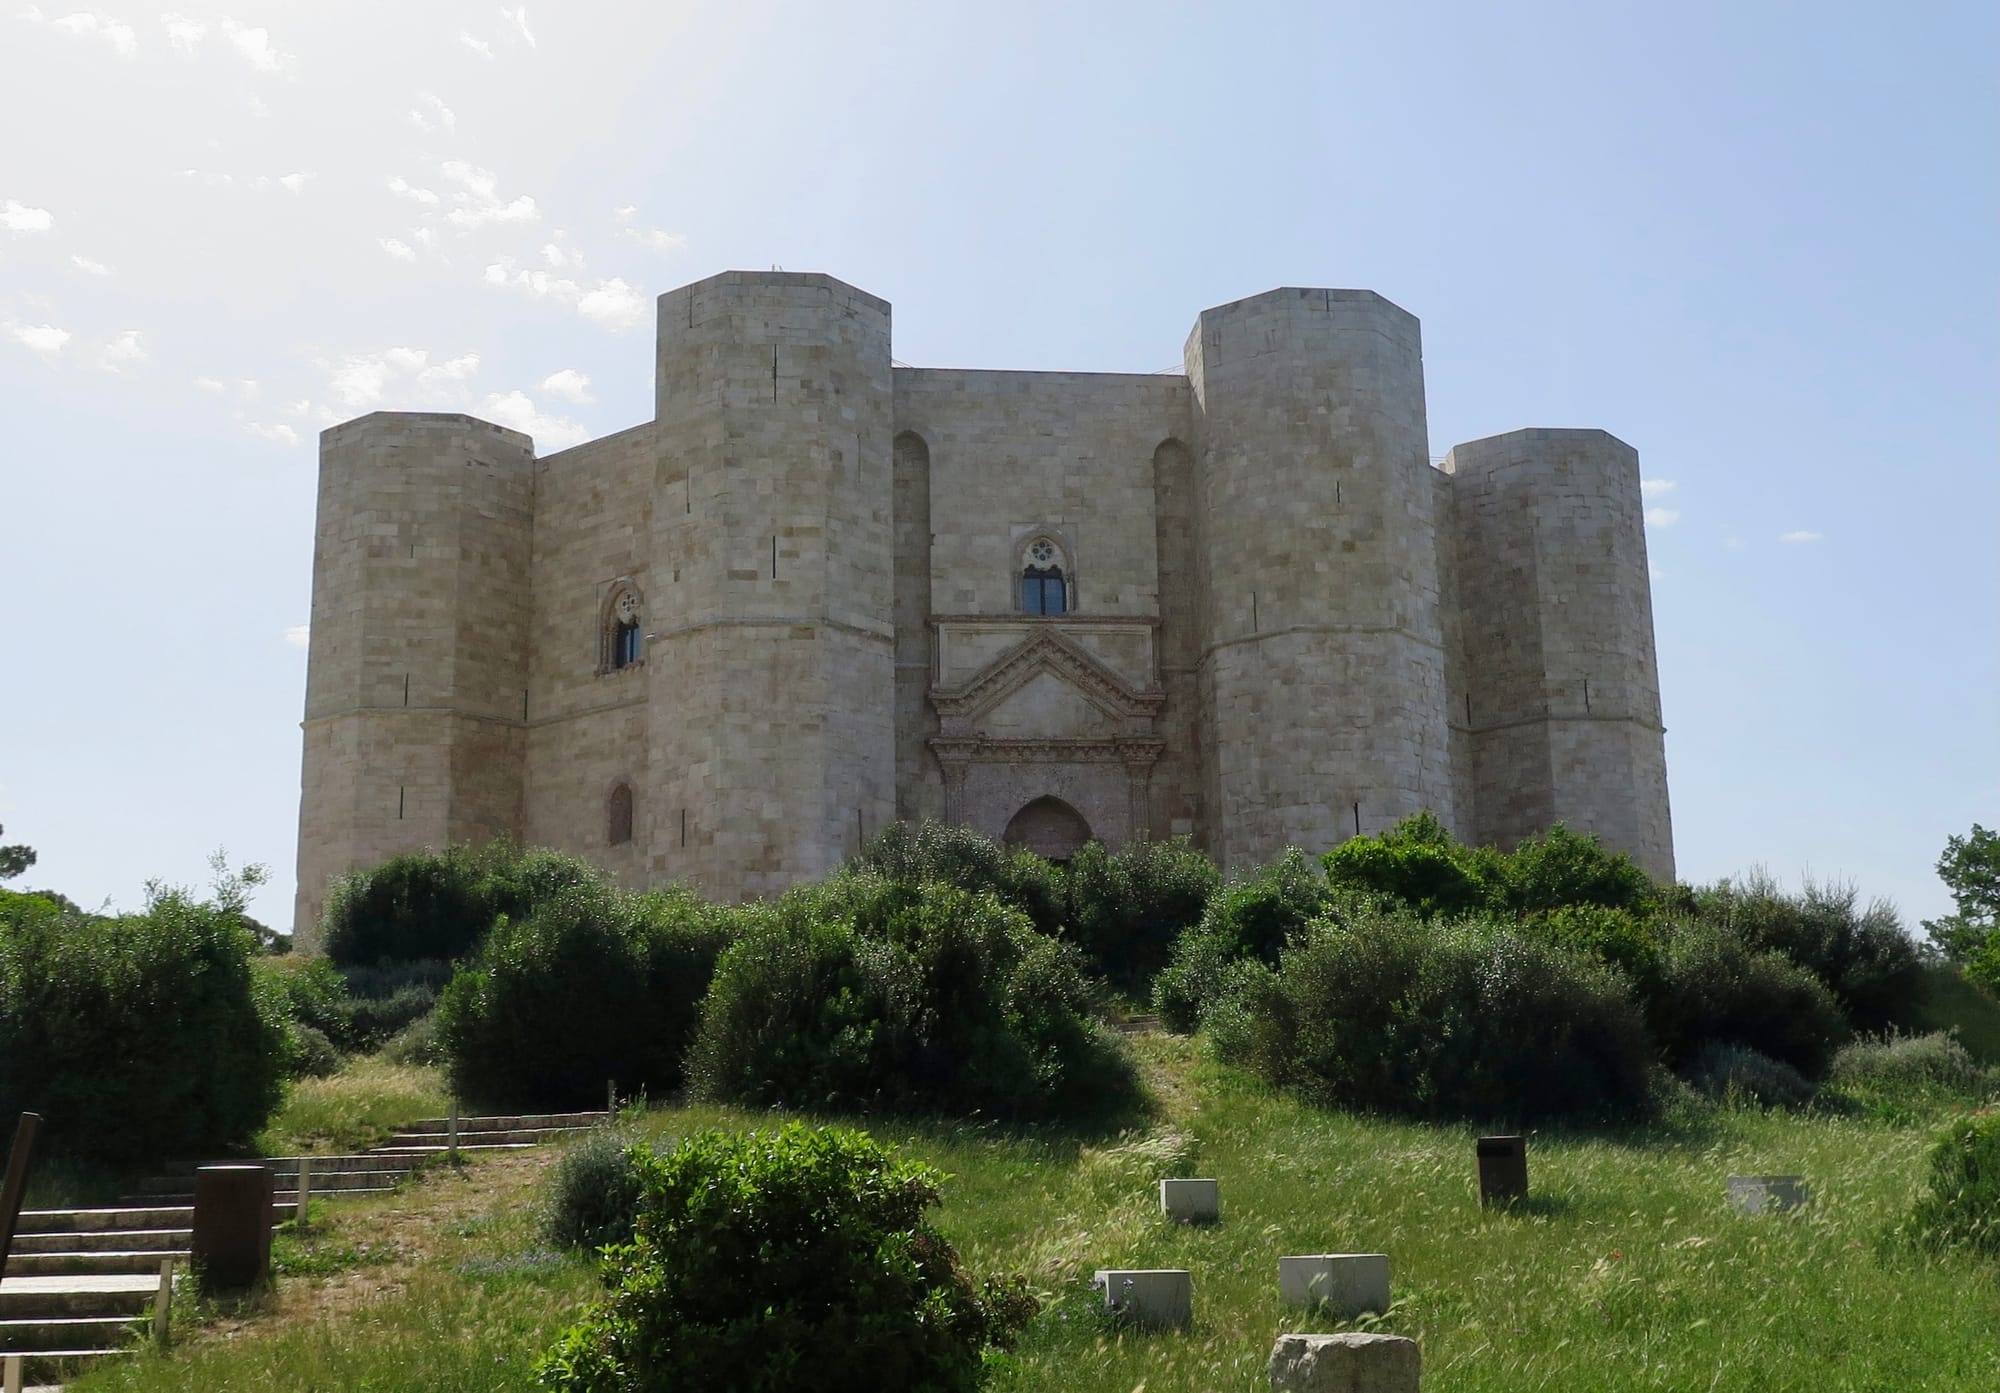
805,600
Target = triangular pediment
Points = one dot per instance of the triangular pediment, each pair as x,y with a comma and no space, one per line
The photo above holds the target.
1048,672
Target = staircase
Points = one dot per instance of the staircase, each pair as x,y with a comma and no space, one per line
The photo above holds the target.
81,1283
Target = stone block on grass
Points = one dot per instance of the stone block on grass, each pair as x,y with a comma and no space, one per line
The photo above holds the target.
1766,1194
1191,1201
1347,1363
1346,1284
1148,1296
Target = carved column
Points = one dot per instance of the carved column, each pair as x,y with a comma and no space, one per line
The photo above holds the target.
954,757
1139,757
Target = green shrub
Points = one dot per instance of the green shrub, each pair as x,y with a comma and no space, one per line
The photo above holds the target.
1715,989
1127,907
594,1192
1387,1012
592,985
1615,937
865,992
313,993
1736,1073
138,1036
1861,954
917,851
440,904
779,1260
1418,864
381,980
1562,868
1898,1073
310,1055
1962,1207
416,1043
1252,917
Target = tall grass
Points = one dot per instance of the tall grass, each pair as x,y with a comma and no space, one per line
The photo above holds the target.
354,1109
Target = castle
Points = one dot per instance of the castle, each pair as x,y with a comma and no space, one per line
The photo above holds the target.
820,591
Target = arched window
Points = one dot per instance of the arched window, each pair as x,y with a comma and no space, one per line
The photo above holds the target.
622,643
1044,589
619,815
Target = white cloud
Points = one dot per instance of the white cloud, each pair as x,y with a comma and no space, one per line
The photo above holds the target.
478,46
210,384
1661,517
479,200
45,339
301,407
125,350
613,304
1653,488
518,17
277,433
89,267
254,47
516,412
398,248
299,635
656,238
570,385
433,115
399,185
183,33
1654,571
625,214
561,257
85,24
1802,536
521,209
291,183
363,380
18,217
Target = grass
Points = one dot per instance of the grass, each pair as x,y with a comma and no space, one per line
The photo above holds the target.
1625,1271
353,1109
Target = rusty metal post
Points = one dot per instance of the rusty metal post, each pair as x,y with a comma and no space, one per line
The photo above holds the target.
15,1187
1503,1170
231,1246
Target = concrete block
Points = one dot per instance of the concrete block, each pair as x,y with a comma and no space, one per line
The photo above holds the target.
1347,1363
1503,1169
1766,1194
1345,1283
1191,1201
1148,1296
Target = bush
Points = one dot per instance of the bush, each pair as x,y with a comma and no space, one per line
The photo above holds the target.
1562,868
440,904
1734,1073
917,851
870,992
1615,937
1861,954
1387,1012
1127,907
137,1036
1418,864
416,1043
772,1261
1962,1208
1715,989
312,993
1897,1072
594,1193
1250,918
310,1055
592,985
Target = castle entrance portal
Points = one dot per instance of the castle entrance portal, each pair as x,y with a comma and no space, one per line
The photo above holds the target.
1048,827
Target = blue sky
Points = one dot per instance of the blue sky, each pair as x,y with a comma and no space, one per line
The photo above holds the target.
1757,241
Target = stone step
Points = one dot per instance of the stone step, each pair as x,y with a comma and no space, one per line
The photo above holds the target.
286,1201
58,1365
526,1136
123,1217
443,1149
389,1170
510,1122
68,1332
282,1166
108,1294
101,1240
99,1261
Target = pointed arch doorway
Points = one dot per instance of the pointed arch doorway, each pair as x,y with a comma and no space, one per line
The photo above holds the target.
1048,827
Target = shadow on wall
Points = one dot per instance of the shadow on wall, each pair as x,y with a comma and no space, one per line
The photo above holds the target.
1050,828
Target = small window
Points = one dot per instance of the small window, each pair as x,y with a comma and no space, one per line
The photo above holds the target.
622,638
1043,588
620,815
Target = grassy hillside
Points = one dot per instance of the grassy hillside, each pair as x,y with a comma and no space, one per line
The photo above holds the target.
1626,1272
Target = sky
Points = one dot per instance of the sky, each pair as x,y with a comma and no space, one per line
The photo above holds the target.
1755,240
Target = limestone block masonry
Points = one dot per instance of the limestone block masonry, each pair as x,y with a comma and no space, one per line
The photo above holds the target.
820,592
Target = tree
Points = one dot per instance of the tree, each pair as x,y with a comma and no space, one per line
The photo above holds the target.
15,859
1970,869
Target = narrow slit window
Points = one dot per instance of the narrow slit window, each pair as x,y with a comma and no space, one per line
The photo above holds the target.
619,818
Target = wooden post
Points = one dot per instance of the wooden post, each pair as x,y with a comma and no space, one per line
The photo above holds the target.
610,1100
452,1134
305,1190
163,1300
10,1373
15,1187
